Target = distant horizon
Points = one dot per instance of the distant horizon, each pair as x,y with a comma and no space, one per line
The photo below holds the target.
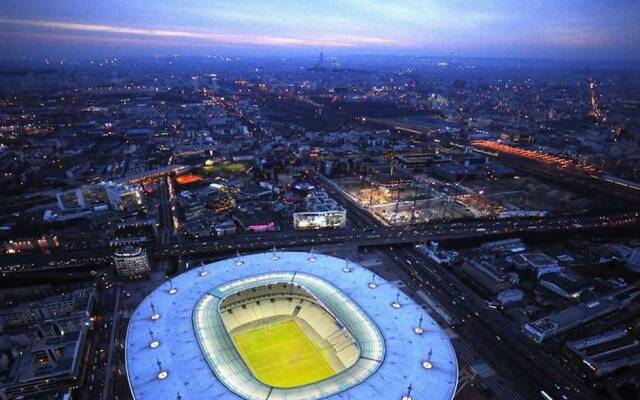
544,29
309,57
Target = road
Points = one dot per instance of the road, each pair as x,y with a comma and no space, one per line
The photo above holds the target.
165,215
377,236
501,343
419,288
483,331
113,342
369,236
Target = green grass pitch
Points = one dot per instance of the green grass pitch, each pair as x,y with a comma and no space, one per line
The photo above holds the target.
281,355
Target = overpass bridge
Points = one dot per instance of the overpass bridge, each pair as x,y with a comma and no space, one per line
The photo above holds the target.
376,236
366,236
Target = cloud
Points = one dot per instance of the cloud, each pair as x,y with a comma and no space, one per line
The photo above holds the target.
213,37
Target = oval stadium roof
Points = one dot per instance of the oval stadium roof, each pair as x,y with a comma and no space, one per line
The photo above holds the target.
187,372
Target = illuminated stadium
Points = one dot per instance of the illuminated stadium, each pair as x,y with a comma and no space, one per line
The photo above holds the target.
286,325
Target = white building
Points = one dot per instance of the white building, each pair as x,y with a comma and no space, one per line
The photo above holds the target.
322,212
115,196
131,262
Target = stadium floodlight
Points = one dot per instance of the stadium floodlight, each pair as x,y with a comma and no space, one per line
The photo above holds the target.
275,256
396,304
162,373
238,261
154,342
418,329
172,289
426,364
154,315
346,268
312,257
372,283
408,395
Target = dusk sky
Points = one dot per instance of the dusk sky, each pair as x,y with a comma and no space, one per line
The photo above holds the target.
597,29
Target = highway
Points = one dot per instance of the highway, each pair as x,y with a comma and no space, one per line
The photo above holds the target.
376,236
449,232
165,225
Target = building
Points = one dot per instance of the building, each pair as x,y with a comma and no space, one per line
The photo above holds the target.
634,260
124,197
43,345
536,262
510,296
131,262
319,219
439,256
256,221
322,212
195,315
580,314
507,246
565,284
453,172
42,365
75,305
416,162
606,353
95,197
225,228
488,276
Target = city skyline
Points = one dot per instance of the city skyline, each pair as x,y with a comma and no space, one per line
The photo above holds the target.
320,200
544,29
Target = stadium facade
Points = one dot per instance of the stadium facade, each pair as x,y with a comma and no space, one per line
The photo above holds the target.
285,325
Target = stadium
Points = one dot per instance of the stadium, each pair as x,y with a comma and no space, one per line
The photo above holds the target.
286,325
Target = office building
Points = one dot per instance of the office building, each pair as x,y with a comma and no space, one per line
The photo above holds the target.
131,262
